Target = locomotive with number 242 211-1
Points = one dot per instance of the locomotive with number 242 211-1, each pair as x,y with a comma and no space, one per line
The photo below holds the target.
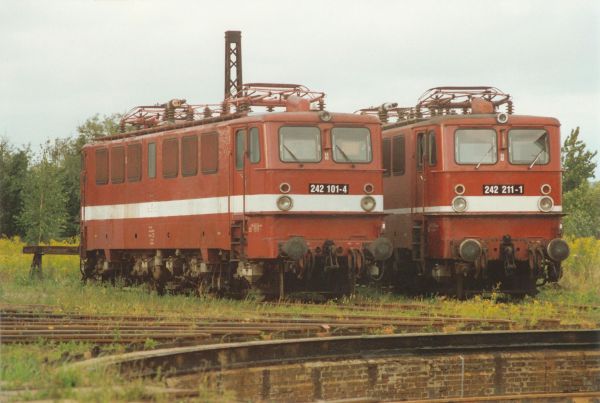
472,193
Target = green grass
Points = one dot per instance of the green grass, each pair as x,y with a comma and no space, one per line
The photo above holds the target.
39,371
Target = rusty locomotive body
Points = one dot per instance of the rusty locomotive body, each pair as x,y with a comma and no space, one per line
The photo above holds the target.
473,193
224,201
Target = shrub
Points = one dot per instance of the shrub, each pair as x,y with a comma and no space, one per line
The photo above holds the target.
582,268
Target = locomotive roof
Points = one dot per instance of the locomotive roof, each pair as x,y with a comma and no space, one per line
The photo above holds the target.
236,119
474,119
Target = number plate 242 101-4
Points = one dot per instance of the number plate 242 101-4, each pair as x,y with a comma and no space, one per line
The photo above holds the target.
328,188
503,189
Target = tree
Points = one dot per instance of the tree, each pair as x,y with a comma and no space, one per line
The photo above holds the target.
13,170
95,127
44,215
70,155
66,154
577,162
42,201
583,207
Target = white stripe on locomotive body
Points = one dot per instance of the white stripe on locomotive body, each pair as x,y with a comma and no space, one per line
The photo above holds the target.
484,204
262,203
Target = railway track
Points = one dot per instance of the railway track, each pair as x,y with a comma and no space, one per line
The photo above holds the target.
31,324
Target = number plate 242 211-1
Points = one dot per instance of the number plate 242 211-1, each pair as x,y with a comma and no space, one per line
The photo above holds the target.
503,189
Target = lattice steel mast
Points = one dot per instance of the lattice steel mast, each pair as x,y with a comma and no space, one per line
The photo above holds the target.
233,63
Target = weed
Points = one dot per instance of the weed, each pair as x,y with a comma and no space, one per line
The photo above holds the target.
150,344
67,378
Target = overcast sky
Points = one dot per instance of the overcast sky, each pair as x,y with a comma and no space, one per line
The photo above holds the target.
64,61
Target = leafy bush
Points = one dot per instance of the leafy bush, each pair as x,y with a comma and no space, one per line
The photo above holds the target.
582,268
582,206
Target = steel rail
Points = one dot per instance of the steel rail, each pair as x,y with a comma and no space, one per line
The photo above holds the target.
183,360
269,317
7,313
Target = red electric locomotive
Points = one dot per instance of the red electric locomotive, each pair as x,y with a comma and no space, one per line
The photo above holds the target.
218,200
473,192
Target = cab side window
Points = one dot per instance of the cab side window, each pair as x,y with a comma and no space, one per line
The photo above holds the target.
432,152
420,152
254,145
240,148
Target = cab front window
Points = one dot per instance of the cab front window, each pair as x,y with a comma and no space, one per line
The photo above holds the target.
351,144
475,146
299,144
528,147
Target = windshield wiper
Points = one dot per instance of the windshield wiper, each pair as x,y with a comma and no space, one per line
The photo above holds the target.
536,158
291,153
484,155
541,143
343,153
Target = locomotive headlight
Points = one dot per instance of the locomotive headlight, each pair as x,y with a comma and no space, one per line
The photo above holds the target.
367,203
469,250
459,204
558,250
545,203
284,203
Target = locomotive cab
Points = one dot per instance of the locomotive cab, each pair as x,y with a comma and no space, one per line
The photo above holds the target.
312,197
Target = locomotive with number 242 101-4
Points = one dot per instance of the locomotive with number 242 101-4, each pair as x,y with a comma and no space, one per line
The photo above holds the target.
204,197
